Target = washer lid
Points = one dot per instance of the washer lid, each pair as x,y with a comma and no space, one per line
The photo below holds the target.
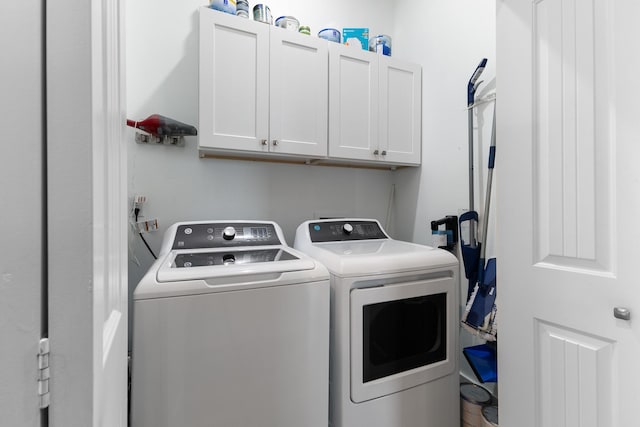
181,265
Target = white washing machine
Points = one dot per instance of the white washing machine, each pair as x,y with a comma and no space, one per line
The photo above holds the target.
231,329
394,326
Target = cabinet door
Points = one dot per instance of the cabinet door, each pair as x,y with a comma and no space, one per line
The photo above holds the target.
400,111
298,95
234,82
353,103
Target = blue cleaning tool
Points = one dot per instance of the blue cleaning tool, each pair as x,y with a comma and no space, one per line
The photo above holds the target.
480,312
469,220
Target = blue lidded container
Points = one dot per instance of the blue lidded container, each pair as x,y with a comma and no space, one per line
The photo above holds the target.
380,44
227,6
330,34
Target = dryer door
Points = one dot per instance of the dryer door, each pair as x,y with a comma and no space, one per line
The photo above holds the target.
401,336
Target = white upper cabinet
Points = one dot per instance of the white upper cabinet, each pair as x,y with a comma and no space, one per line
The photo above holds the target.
234,82
353,103
375,108
268,92
400,109
299,87
263,89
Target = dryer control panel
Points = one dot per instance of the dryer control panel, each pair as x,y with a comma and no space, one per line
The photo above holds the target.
345,230
224,235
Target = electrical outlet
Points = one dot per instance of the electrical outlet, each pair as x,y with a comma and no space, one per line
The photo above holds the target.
139,200
148,225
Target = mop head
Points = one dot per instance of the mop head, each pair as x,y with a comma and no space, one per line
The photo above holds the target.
480,314
488,331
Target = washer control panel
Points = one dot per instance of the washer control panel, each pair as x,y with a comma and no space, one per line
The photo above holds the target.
201,259
224,235
345,230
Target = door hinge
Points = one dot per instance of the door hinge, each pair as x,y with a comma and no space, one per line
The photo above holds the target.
43,372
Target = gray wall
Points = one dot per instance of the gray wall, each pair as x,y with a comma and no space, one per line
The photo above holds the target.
23,243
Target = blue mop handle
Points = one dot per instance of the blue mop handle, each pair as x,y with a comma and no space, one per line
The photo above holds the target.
472,86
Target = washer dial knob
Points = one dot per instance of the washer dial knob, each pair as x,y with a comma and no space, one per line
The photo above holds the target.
347,228
228,233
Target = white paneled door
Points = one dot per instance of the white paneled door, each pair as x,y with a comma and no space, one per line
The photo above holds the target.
568,208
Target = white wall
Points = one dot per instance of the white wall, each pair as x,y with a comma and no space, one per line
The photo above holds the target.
162,77
448,38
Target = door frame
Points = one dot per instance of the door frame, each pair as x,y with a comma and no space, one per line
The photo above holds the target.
87,215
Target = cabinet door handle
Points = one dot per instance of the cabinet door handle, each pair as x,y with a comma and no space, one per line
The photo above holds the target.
376,152
384,152
275,142
264,142
622,313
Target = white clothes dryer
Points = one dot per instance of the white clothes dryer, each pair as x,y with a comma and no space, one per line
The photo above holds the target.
231,329
394,326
